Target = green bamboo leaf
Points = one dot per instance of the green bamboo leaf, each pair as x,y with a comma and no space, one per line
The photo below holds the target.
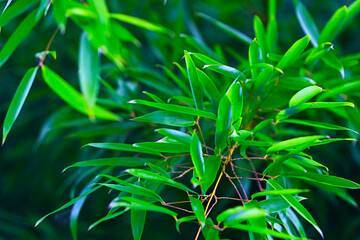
67,93
260,34
137,223
158,178
167,118
261,80
20,33
265,231
15,9
316,124
238,214
226,28
210,88
18,101
175,134
276,204
198,209
184,219
294,142
293,53
254,57
333,25
323,179
296,205
154,97
197,156
205,59
89,69
194,82
141,23
226,71
70,203
223,123
107,217
101,9
115,162
175,108
235,95
278,192
341,89
137,204
59,8
212,165
332,61
272,35
353,10
121,147
304,95
166,147
134,189
306,22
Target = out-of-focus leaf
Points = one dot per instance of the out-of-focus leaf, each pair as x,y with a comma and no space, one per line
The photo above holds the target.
67,93
115,162
341,89
59,8
134,189
324,179
176,108
226,71
167,118
140,23
18,101
158,178
332,61
15,9
294,142
278,192
254,57
333,25
194,81
137,221
296,205
304,95
20,33
272,34
210,88
293,53
167,147
184,219
197,156
226,28
316,124
198,209
306,22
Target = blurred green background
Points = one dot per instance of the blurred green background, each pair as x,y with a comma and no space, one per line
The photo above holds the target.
32,159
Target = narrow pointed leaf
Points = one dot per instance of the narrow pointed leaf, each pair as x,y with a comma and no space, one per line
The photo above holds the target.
212,165
18,101
173,147
294,142
134,189
333,26
175,134
137,221
278,192
293,53
198,209
223,123
304,95
121,147
167,118
239,214
194,82
260,34
197,156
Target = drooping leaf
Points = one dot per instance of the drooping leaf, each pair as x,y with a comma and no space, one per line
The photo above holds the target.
197,156
18,101
158,178
15,9
137,221
276,204
67,93
296,205
121,147
198,209
278,192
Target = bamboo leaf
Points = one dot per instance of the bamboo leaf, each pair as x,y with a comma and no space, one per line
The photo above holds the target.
18,101
137,222
121,147
210,88
293,53
296,205
276,204
175,108
294,142
223,123
167,118
134,189
323,179
304,95
198,209
158,178
212,165
197,156
194,82
167,147
89,69
278,192
260,34
238,214
14,10
72,97
306,22
175,134
333,25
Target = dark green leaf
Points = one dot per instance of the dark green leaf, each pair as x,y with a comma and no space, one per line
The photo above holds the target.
167,118
194,82
166,147
198,209
293,53
197,156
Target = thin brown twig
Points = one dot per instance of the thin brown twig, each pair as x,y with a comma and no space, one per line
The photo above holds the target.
42,58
